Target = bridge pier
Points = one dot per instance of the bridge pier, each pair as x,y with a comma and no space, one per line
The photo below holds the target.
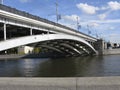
100,45
31,33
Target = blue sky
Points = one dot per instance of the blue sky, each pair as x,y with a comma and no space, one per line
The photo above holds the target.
101,17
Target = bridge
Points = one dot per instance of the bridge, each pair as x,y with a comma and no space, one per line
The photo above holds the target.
19,29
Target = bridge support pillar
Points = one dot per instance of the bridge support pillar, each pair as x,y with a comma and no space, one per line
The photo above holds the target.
4,31
100,46
31,31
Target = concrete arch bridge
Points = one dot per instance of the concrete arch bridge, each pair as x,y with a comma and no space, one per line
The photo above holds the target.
61,44
20,30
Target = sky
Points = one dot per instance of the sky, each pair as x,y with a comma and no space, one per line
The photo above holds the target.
98,18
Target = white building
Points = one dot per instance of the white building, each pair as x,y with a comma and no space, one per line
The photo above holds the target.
25,50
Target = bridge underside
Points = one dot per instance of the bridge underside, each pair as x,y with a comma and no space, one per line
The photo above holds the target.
63,48
53,44
19,29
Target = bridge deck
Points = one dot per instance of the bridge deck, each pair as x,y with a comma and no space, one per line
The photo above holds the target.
27,15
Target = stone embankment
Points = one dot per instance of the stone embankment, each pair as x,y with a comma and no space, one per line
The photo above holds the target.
11,56
84,83
111,51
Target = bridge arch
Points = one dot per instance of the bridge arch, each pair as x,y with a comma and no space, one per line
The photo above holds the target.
74,47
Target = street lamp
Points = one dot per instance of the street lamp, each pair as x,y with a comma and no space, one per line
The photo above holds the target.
1,1
78,25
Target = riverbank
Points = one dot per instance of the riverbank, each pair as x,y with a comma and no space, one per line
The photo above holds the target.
17,56
11,56
111,51
41,55
87,83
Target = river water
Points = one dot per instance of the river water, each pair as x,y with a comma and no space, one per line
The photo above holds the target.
62,67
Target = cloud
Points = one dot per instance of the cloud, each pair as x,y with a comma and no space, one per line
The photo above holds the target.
111,6
93,24
97,23
25,1
114,34
71,18
104,8
70,21
105,21
88,9
111,28
102,16
71,25
114,5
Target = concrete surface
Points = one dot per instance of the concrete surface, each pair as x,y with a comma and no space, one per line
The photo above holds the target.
82,83
11,56
111,51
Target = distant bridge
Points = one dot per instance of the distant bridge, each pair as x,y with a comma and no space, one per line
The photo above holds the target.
18,28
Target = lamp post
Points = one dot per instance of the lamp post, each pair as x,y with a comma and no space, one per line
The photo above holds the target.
56,11
78,25
1,1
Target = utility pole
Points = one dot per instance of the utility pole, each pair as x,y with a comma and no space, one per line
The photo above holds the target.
77,24
56,11
1,1
89,32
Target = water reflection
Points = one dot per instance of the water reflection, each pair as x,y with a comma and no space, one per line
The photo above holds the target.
58,67
62,67
89,66
8,69
29,67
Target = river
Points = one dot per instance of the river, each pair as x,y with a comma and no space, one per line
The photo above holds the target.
62,67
